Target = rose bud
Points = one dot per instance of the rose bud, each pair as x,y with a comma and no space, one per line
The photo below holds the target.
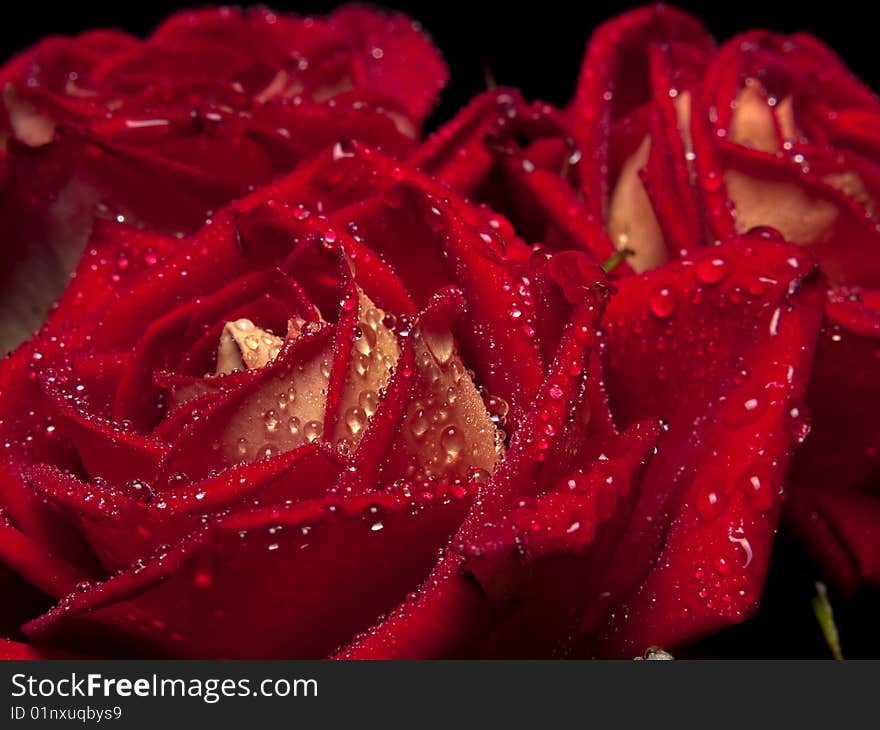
159,132
356,416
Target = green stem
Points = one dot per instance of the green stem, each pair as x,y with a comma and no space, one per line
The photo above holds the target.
825,617
615,259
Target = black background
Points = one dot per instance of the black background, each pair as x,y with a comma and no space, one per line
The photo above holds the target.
538,47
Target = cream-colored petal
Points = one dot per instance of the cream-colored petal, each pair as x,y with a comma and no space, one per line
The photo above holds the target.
282,413
447,430
785,119
244,345
373,357
631,220
785,206
849,183
752,123
30,126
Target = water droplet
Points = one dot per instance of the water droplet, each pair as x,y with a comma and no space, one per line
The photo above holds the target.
389,320
478,476
497,408
361,363
369,401
270,421
452,443
759,489
142,491
355,419
362,344
742,409
313,430
722,566
286,398
419,423
710,503
712,181
797,424
267,451
349,303
662,302
765,232
710,270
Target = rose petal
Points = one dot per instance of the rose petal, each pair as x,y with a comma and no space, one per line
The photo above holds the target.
421,628
614,81
218,594
444,428
260,418
709,512
833,475
49,572
126,523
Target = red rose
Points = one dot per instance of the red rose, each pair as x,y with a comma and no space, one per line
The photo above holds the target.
163,130
672,145
766,132
385,430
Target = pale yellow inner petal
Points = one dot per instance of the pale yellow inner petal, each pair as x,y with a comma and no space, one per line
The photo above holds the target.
450,430
244,345
752,122
374,354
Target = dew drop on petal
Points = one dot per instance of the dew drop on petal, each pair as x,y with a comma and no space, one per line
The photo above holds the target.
711,270
662,302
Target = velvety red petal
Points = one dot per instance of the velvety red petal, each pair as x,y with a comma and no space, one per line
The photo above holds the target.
381,53
126,522
114,253
49,572
832,497
840,530
614,80
732,362
841,451
458,153
477,591
30,435
161,345
219,593
667,176
104,447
